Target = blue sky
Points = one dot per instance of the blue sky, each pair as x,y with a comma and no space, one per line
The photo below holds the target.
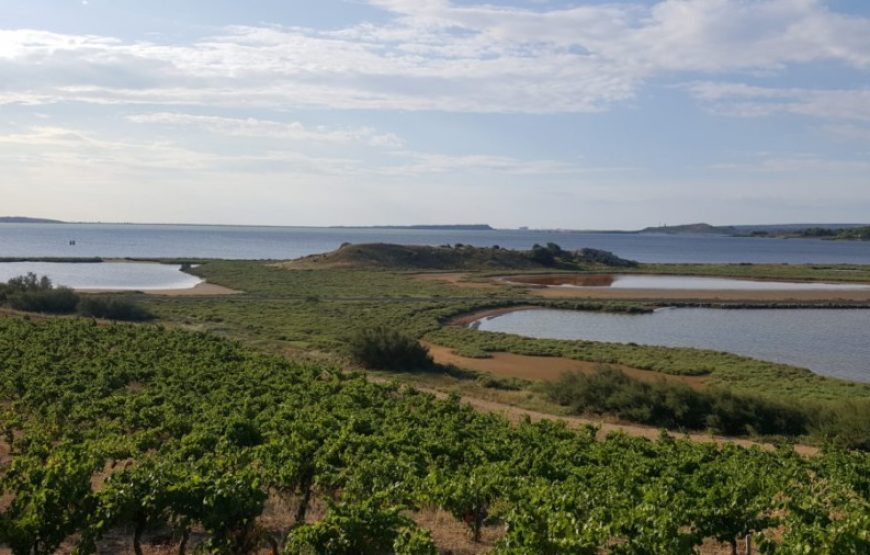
539,113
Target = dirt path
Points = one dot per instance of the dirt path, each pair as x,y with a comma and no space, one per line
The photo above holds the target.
458,279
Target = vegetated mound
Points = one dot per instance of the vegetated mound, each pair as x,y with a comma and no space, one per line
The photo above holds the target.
461,257
26,220
691,229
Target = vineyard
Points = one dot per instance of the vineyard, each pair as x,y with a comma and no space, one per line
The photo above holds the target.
151,434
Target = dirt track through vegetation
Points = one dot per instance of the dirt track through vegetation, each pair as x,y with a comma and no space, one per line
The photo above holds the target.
512,365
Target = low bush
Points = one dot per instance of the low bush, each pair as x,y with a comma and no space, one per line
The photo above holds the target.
113,308
59,300
675,405
845,424
32,293
383,348
361,528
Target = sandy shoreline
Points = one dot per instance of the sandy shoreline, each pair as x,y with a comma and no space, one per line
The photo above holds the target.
464,320
200,289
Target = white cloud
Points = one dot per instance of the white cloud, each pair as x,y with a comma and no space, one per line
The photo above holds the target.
59,146
436,55
801,165
750,101
252,127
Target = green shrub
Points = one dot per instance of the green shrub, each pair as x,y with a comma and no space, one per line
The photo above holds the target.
60,300
675,405
845,424
383,348
32,293
361,528
113,308
28,283
543,255
733,414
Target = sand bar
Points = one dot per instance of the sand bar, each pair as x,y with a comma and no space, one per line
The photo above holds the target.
606,293
199,290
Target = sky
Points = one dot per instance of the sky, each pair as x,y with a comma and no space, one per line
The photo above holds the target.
540,113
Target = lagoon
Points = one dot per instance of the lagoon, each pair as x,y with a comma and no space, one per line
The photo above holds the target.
122,276
830,342
236,242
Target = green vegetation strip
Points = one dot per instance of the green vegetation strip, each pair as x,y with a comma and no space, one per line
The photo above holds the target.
786,272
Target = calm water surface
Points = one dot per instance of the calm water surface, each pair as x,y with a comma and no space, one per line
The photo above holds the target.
123,240
710,283
134,276
828,342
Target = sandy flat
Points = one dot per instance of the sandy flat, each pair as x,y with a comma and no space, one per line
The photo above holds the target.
510,365
601,293
198,290
456,278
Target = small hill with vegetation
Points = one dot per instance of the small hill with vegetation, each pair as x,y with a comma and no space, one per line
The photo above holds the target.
461,257
691,229
26,220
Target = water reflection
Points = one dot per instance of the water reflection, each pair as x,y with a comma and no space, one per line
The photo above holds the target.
641,281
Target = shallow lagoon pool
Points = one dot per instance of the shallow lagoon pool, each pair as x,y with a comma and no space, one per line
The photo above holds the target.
831,342
123,276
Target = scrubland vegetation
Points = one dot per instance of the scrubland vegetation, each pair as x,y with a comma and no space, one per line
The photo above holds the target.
674,405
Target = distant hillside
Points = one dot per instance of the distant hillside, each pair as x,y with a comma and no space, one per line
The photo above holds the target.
848,234
691,229
844,232
446,227
792,228
461,257
25,220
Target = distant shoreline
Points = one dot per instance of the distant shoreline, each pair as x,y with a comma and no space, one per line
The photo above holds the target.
770,231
